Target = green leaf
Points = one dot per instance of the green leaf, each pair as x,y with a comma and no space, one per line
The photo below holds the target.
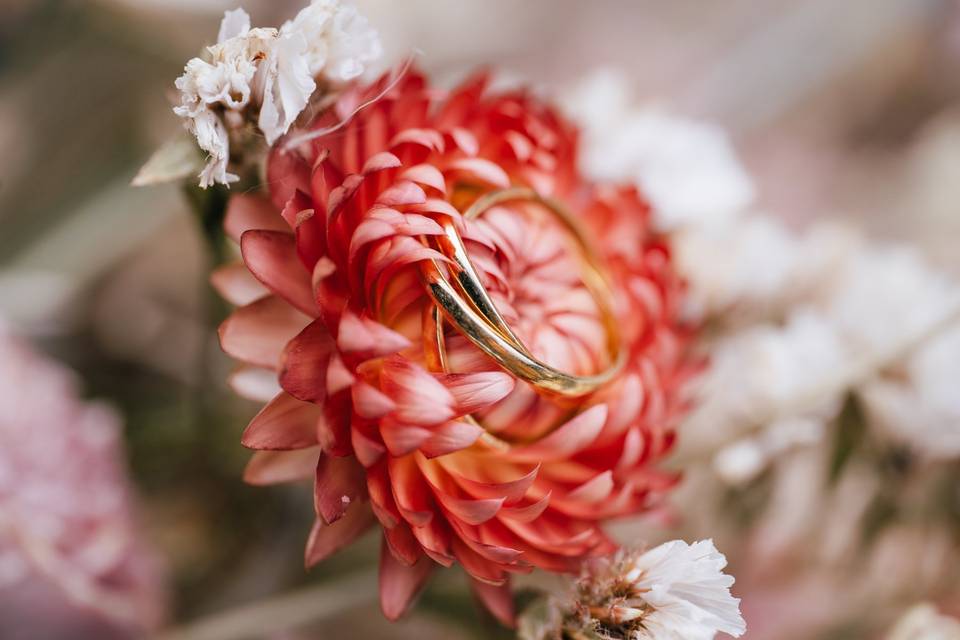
176,159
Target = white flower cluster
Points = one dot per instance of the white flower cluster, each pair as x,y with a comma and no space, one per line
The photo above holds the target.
688,170
676,591
274,71
803,318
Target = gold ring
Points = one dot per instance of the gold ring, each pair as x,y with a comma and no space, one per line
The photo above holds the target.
467,305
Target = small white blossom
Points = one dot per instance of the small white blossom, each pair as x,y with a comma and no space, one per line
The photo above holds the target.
340,41
676,591
270,71
328,40
225,81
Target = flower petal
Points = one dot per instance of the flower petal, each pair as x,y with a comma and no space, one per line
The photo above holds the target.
305,362
327,539
236,284
284,423
274,467
339,483
400,584
497,600
247,211
574,436
272,257
257,333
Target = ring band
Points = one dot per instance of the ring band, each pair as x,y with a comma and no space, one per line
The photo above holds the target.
467,305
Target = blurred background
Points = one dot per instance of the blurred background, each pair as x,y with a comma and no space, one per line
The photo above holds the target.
844,111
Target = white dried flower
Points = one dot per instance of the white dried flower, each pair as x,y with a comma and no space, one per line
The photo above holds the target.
923,622
917,403
270,71
689,170
756,268
676,591
225,81
887,297
340,41
758,372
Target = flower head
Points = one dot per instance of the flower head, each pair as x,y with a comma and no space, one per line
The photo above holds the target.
269,72
676,591
70,550
456,459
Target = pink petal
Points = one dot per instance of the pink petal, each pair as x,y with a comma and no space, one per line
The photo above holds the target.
367,450
274,467
402,439
436,206
284,423
369,402
450,437
511,491
470,511
420,398
258,332
429,138
379,162
327,539
254,383
236,284
401,193
410,491
497,600
574,436
400,584
476,391
426,174
363,335
403,545
478,567
338,376
339,483
305,362
465,139
595,489
484,170
529,512
247,211
272,257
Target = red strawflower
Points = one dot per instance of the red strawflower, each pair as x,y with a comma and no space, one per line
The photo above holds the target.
337,312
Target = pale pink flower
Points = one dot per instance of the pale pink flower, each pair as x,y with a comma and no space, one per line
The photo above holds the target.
72,558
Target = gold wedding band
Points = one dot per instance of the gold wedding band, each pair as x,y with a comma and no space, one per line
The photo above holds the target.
466,304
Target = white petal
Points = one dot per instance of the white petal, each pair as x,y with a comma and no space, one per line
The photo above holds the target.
235,23
287,85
